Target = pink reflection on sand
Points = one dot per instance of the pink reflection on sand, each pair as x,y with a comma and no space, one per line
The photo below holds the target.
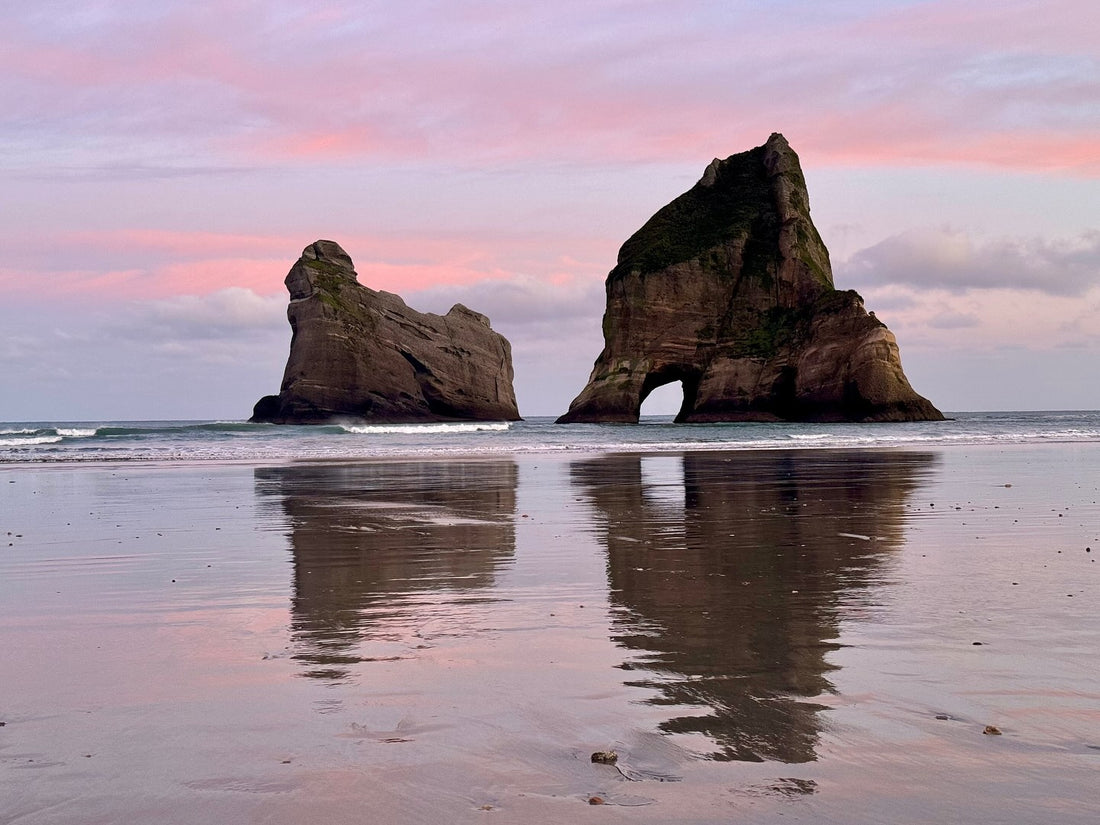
145,658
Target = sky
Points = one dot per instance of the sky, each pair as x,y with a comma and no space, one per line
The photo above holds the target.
163,164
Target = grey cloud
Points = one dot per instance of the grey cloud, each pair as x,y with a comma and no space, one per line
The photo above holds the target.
162,359
14,348
954,320
952,260
228,314
520,301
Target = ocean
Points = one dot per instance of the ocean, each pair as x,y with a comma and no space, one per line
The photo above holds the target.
84,441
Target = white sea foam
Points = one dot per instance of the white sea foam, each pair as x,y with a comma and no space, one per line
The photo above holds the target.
420,429
21,442
29,442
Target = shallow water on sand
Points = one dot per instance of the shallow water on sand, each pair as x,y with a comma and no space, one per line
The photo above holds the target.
765,636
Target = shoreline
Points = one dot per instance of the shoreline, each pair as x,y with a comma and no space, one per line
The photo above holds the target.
565,453
183,442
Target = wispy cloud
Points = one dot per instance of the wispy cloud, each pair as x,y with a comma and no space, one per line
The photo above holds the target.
594,82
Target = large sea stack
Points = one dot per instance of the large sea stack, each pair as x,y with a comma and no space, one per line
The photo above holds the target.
729,290
357,354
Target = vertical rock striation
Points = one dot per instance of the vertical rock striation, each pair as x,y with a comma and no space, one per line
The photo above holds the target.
359,354
729,290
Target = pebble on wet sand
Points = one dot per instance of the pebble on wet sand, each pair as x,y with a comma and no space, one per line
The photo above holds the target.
991,730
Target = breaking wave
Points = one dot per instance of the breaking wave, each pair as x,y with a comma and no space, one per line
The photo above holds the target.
77,432
29,442
423,429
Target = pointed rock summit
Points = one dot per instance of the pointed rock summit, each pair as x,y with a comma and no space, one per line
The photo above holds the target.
729,290
361,355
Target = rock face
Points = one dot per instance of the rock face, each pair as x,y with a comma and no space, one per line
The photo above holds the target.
358,354
729,290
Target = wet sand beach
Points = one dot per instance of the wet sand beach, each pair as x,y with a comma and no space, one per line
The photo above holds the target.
821,636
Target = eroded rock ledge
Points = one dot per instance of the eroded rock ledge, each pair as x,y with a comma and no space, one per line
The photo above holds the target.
357,354
729,289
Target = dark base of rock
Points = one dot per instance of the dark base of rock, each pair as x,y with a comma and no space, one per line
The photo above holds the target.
266,411
269,410
898,413
826,415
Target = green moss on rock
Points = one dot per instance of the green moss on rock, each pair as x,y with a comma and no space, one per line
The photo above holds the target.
736,206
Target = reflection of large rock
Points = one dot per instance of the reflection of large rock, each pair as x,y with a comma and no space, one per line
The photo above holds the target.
374,544
729,290
361,354
729,574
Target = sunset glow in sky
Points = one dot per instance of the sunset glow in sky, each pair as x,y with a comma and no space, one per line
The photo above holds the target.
164,164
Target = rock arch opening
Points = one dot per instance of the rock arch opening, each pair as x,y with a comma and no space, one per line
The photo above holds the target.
668,392
665,400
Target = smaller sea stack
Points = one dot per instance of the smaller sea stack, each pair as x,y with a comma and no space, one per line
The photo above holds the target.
357,354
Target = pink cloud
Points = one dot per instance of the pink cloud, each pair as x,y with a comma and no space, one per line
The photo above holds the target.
591,83
178,244
202,277
110,285
145,264
924,146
